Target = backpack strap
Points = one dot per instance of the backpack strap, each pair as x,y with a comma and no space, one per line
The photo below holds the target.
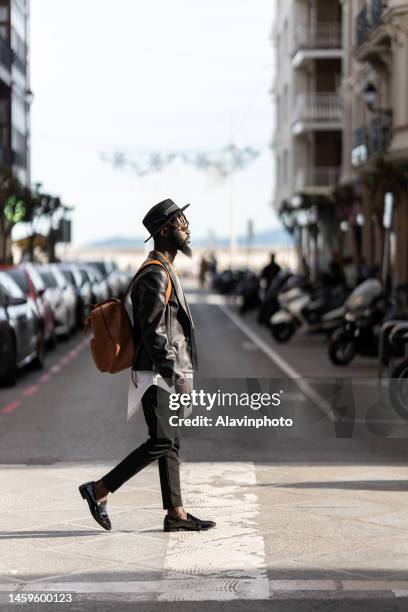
148,263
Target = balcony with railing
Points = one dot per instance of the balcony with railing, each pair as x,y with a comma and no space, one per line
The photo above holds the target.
319,41
317,111
372,37
373,139
5,53
319,180
5,61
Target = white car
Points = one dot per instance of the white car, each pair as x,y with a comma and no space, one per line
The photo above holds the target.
61,297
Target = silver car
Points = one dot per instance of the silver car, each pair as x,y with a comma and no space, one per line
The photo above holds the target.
21,335
82,288
100,288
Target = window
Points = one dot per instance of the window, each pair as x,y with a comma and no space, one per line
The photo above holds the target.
69,277
20,278
49,280
10,287
35,278
84,275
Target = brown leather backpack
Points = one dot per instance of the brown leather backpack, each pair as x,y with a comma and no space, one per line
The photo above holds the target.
113,347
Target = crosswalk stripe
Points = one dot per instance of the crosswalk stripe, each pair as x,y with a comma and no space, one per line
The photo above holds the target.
226,562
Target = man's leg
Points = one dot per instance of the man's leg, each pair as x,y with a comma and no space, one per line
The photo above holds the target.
169,471
163,441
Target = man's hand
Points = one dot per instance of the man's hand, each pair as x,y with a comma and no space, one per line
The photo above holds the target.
181,386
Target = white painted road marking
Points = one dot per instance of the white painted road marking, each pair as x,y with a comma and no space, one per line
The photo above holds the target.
227,562
280,362
249,346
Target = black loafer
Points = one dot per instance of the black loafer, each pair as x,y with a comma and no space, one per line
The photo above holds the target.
97,509
175,524
201,522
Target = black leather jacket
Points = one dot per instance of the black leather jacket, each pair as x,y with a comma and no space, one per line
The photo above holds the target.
164,334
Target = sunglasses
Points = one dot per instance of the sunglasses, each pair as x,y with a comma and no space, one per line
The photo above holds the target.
180,222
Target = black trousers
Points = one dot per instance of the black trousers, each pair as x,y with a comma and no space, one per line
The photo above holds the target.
163,444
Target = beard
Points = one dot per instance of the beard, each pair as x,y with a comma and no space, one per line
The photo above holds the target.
181,243
186,249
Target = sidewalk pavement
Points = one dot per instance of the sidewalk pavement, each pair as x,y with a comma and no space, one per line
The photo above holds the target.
284,533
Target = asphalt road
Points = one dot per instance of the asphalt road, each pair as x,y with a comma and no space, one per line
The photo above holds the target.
72,412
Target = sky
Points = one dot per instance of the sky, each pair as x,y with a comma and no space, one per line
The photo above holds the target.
143,76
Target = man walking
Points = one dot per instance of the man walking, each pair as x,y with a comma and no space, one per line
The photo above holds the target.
166,358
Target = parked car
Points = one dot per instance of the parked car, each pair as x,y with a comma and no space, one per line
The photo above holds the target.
68,293
21,337
125,278
109,273
82,289
64,317
32,286
100,288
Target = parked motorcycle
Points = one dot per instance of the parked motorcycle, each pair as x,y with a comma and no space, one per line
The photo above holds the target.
309,312
269,297
398,383
227,281
365,309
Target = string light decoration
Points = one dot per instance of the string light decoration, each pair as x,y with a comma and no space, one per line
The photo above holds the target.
225,161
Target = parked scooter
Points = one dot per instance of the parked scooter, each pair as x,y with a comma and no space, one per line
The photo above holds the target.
398,383
308,311
365,309
269,297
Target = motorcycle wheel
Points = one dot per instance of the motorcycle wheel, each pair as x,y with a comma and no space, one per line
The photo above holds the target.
398,390
342,349
282,332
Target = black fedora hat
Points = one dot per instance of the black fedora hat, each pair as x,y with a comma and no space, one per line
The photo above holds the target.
160,214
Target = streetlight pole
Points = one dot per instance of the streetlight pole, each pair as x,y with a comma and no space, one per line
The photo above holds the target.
232,237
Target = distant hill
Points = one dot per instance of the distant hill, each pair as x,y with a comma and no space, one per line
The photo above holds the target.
118,241
273,237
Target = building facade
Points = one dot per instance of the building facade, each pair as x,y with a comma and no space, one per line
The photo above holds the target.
308,145
341,141
15,99
15,88
375,154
